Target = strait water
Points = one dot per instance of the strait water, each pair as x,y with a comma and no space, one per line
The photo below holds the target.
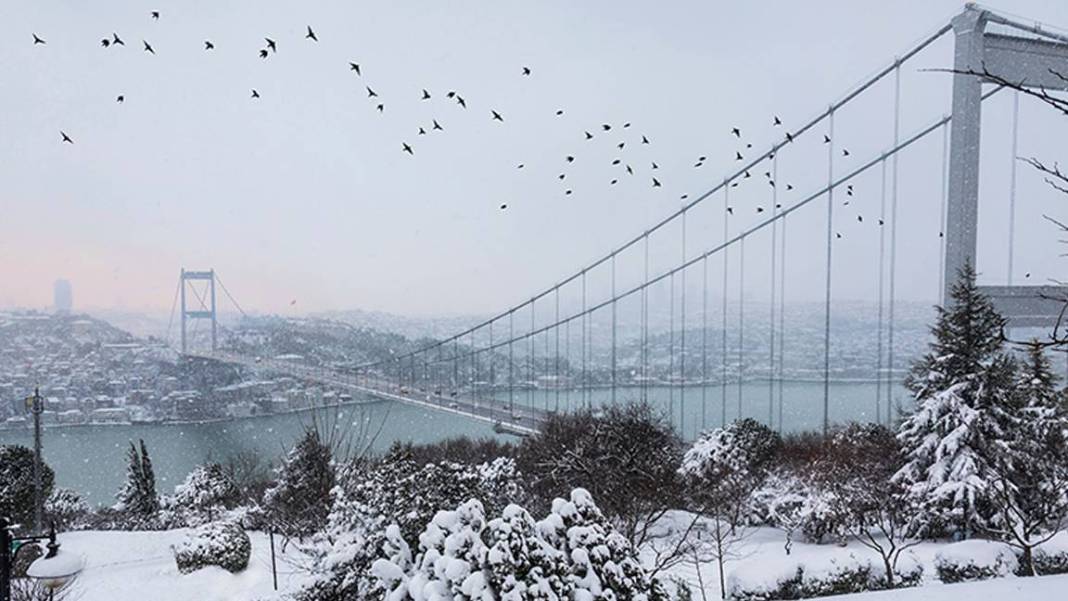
91,459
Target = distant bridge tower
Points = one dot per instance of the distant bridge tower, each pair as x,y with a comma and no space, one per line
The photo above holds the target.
1035,63
205,308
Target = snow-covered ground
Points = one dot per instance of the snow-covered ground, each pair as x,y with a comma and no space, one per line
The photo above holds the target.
130,566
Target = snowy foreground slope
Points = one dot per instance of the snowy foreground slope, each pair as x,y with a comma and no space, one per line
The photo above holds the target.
131,566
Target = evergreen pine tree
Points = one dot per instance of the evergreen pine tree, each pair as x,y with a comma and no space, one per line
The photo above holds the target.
298,502
137,499
961,423
1032,477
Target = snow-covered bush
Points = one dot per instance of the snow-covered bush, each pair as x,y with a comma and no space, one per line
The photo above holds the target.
762,579
222,544
974,560
137,501
395,491
205,493
298,501
16,482
66,509
574,553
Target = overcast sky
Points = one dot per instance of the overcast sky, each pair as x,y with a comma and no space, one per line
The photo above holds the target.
305,194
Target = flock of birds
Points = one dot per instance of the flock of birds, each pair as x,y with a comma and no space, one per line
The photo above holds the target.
625,167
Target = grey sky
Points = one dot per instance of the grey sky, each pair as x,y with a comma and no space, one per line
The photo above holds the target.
305,194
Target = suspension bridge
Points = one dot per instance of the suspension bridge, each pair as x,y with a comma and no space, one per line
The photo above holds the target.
597,337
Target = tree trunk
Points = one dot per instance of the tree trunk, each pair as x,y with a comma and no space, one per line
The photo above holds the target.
1027,562
889,572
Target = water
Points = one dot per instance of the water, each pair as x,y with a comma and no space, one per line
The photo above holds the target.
91,459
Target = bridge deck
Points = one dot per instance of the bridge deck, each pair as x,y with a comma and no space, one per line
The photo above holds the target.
521,421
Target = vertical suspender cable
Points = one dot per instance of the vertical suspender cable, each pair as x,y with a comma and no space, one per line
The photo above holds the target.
723,350
613,329
556,354
782,316
530,362
741,323
827,294
704,343
882,279
771,317
682,335
671,347
493,372
893,245
1012,181
645,326
585,320
511,362
567,363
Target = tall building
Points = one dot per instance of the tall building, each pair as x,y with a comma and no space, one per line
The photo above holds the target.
62,296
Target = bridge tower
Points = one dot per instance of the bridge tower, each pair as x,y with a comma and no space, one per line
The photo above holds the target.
1034,62
205,308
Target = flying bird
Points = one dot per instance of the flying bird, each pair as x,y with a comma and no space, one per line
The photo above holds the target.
381,107
37,40
148,47
255,94
789,137
422,132
845,152
826,139
408,149
271,44
559,112
616,162
629,170
570,159
730,210
737,132
460,101
655,166
760,209
311,35
645,140
880,222
426,95
860,218
738,156
504,206
606,127
626,125
450,94
614,182
526,70
116,40
371,93
120,99
620,145
777,121
567,192
789,186
497,116
837,235
684,197
263,53
746,174
105,42
438,126
589,136
519,166
354,67
208,45
66,138
561,176
155,15
656,183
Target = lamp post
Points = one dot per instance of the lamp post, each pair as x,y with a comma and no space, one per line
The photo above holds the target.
36,407
54,570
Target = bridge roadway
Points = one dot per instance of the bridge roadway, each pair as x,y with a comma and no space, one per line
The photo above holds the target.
521,421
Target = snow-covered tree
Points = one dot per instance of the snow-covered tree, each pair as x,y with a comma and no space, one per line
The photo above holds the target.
1030,486
138,501
573,554
298,501
721,472
958,428
206,492
394,495
65,508
17,484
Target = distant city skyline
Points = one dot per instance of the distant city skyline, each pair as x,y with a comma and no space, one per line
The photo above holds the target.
303,200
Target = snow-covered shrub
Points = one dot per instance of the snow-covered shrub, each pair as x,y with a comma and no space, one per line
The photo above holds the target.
398,492
298,501
974,560
762,579
137,502
205,493
1051,558
222,544
66,509
574,553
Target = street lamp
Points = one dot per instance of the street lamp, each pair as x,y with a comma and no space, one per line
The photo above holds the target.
54,570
